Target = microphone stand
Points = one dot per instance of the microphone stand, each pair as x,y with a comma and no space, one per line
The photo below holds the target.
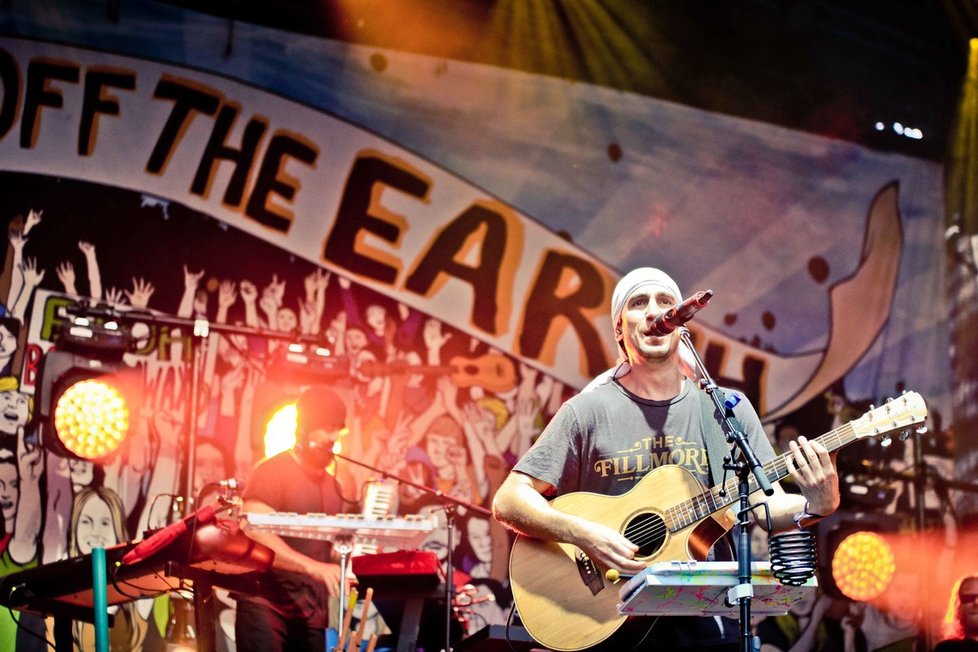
747,466
450,505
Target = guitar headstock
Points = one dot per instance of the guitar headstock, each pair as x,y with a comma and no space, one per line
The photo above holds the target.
900,413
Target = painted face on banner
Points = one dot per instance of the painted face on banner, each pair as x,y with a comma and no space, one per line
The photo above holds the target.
14,411
8,342
286,320
208,465
480,539
82,472
9,489
95,528
355,340
376,317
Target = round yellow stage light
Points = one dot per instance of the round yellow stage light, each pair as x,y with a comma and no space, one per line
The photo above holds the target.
91,418
862,566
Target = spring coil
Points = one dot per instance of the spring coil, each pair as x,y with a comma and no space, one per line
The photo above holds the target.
793,557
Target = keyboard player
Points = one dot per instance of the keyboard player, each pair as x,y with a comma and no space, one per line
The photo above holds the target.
292,611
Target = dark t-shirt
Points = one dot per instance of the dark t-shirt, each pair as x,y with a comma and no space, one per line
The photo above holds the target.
286,486
606,440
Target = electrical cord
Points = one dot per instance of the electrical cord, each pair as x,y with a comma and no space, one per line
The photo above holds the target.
21,627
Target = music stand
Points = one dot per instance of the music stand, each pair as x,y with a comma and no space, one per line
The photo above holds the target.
697,588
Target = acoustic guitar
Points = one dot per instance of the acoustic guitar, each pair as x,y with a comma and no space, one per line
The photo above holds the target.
563,597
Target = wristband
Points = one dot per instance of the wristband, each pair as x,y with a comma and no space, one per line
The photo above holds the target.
800,516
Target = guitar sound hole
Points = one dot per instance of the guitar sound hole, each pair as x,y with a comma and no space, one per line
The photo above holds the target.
648,532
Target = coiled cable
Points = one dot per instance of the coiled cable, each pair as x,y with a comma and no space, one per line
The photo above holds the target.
793,557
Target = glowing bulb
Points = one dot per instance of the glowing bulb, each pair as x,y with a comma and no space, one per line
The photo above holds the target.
863,566
280,430
91,418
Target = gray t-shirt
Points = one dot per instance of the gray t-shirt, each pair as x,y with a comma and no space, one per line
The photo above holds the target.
606,440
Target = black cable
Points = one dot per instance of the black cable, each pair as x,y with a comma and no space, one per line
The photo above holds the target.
21,627
115,584
339,487
152,505
509,623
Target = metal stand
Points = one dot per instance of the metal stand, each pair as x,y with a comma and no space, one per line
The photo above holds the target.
748,465
343,545
450,510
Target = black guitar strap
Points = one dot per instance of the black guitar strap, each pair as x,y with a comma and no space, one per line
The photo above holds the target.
714,438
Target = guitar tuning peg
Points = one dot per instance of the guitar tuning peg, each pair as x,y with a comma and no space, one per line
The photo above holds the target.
871,407
886,441
904,435
922,430
889,399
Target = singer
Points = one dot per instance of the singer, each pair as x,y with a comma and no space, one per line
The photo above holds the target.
623,429
292,613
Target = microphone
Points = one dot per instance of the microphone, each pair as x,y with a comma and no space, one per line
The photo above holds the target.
679,315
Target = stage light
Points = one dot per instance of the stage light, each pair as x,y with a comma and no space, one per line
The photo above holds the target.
863,566
279,433
91,418
855,560
84,394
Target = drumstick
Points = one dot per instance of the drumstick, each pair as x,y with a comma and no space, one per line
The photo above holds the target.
363,613
373,643
346,619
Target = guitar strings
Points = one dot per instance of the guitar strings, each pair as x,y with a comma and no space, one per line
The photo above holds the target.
702,505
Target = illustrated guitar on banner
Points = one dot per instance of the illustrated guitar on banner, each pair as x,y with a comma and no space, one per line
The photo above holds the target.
563,597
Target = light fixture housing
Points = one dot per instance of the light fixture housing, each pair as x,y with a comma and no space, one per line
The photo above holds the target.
85,401
856,560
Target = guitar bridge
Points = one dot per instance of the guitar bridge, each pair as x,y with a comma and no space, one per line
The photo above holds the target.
589,573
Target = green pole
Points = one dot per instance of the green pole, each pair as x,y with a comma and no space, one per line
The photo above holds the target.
100,600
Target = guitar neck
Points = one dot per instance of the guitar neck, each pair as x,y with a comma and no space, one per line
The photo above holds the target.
719,497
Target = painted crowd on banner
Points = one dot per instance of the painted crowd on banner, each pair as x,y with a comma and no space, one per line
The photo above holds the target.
427,403
455,283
